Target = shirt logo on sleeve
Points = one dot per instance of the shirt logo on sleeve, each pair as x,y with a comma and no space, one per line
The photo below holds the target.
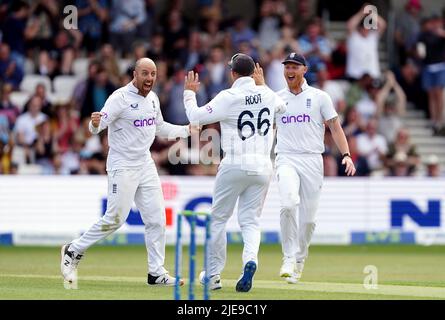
209,109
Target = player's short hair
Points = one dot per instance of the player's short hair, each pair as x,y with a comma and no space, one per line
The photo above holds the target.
242,64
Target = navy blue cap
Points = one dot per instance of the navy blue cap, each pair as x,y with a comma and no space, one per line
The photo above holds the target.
295,58
242,64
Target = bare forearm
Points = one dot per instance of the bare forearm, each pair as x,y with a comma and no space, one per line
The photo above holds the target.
338,135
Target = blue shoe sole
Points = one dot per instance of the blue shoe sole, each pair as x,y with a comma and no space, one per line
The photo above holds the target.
245,283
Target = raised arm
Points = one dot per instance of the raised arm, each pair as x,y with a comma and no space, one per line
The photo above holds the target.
109,113
214,111
168,130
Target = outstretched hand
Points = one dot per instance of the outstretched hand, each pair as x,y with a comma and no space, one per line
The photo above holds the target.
192,81
350,168
258,75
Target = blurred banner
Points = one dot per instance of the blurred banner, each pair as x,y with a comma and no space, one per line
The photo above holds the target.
50,210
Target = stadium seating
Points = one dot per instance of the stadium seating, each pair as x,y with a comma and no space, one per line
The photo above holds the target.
30,81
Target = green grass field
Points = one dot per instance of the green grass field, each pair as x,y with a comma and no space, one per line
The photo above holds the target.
331,272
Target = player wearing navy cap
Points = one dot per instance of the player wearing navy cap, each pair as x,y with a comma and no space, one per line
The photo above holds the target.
299,163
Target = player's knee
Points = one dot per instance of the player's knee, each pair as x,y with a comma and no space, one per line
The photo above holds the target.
289,204
111,222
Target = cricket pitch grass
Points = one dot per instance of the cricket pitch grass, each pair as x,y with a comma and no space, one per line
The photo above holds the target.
331,272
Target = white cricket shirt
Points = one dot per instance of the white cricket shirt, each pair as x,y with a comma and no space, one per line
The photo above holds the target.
301,128
246,113
133,121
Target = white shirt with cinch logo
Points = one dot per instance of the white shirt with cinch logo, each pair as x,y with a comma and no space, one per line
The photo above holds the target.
301,128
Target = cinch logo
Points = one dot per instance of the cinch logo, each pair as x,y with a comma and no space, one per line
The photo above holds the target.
296,119
144,122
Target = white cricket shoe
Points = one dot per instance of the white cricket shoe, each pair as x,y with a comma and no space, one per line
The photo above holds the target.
287,268
68,264
214,281
163,280
296,275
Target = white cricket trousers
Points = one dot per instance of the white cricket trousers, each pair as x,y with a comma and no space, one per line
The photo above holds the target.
141,185
250,189
300,179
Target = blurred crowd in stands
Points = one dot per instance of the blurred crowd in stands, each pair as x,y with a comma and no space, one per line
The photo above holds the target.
48,129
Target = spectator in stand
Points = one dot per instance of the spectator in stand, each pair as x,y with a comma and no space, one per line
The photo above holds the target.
15,32
25,127
125,17
362,46
358,90
269,24
402,145
71,158
4,130
44,147
193,58
212,33
400,167
372,146
174,111
175,36
40,91
330,166
332,88
108,59
431,49
156,47
96,94
390,109
410,81
80,89
353,124
7,108
57,165
275,68
60,58
407,30
162,84
92,14
315,47
216,78
139,51
367,105
10,72
360,162
432,166
241,32
42,25
287,42
64,127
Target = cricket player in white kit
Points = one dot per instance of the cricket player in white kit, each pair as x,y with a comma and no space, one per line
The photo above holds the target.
299,162
246,113
133,117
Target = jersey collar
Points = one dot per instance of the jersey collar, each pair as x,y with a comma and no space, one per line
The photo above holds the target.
304,86
132,88
243,81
